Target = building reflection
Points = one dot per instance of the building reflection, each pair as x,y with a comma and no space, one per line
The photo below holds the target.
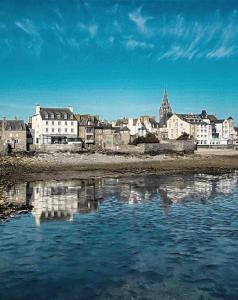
63,200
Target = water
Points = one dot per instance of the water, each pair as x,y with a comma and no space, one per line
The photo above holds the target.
144,237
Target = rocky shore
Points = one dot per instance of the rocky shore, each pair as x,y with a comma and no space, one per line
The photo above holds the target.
67,165
60,166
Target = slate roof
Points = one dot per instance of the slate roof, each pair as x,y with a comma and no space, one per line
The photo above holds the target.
58,113
219,121
84,119
121,122
13,125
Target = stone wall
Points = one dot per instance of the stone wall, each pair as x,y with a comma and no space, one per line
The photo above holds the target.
160,148
51,148
16,138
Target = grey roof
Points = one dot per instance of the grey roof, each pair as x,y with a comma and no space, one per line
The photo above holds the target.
13,125
84,120
125,128
58,113
219,121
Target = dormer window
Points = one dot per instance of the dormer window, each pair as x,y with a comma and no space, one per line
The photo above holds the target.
52,116
65,116
58,116
46,116
71,117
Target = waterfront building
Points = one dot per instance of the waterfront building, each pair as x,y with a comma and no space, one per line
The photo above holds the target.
54,125
13,135
86,128
108,137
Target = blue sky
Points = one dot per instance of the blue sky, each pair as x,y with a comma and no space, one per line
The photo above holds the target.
114,58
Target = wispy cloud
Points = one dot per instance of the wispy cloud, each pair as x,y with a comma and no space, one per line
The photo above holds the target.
164,35
139,20
90,29
133,44
33,44
28,27
215,38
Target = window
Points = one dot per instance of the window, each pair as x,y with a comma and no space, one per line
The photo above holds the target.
72,130
46,129
65,116
71,117
72,123
53,130
59,123
66,123
52,116
58,116
46,116
59,130
53,122
46,122
65,130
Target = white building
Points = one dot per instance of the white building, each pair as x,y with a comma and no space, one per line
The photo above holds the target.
203,133
54,125
136,127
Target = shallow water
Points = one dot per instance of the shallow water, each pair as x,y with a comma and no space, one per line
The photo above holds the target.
144,237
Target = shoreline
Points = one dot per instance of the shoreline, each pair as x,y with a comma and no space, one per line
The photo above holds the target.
63,167
83,166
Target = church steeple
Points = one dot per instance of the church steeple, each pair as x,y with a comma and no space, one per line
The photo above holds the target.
165,109
165,100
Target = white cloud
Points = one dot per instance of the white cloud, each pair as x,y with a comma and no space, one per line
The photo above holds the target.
221,52
139,20
28,27
132,44
91,29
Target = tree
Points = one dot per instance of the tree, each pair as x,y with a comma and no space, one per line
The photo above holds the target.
183,137
149,138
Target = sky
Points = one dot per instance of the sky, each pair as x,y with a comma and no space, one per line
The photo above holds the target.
114,58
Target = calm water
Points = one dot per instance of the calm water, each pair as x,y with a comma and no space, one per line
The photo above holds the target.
147,237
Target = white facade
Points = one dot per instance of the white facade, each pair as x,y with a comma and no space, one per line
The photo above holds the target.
54,125
203,133
177,126
136,127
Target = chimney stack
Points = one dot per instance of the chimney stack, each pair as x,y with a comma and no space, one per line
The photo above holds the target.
37,109
70,108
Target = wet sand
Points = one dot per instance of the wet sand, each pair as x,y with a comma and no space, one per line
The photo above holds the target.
66,165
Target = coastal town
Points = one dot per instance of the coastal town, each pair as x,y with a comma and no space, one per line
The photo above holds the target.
62,129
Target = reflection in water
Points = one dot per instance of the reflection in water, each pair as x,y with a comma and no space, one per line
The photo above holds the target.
172,236
62,200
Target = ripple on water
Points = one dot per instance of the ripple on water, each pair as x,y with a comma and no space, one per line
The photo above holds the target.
172,236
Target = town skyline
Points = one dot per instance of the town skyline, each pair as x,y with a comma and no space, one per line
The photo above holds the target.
154,113
114,58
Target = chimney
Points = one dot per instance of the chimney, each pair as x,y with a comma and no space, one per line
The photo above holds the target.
3,127
37,109
70,108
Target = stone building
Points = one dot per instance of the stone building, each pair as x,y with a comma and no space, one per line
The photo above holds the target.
86,128
108,137
54,126
165,111
13,135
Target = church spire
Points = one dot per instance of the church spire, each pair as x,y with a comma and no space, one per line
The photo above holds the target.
165,109
165,100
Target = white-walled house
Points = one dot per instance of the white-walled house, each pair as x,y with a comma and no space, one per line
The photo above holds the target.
203,133
136,127
176,126
54,125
